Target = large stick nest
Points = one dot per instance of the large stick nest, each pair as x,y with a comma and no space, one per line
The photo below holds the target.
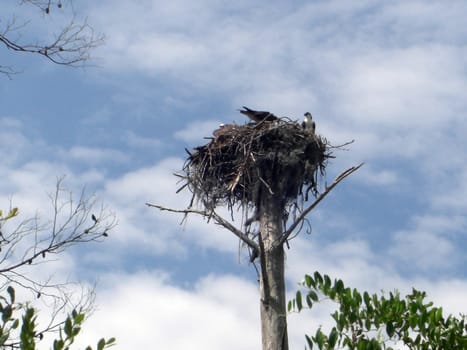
242,162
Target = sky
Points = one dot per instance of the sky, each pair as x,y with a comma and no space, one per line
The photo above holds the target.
390,75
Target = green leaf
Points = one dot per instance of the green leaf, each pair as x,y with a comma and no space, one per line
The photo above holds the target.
318,278
390,329
101,344
327,282
366,299
298,298
79,318
438,314
333,337
357,297
332,294
68,327
309,301
6,313
13,212
309,342
15,324
367,324
339,286
361,345
320,338
4,338
27,341
312,294
309,281
58,344
76,330
11,292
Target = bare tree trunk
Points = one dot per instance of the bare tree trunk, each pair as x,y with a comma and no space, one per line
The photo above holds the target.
272,284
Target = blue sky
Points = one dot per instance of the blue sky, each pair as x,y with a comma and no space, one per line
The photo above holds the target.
391,75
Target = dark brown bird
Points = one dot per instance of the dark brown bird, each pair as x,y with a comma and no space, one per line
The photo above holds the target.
258,116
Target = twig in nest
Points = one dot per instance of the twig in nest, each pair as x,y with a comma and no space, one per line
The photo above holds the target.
266,184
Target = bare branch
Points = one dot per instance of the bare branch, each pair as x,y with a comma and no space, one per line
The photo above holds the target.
305,212
33,242
217,219
32,239
44,5
71,46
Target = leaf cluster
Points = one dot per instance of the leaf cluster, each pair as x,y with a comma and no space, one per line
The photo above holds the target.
21,317
367,321
11,213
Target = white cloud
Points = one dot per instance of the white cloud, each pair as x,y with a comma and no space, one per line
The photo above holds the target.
138,141
441,224
93,155
383,177
424,250
145,309
149,183
196,131
15,146
452,196
155,232
400,88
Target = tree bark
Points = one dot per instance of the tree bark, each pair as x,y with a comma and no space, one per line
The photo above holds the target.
272,283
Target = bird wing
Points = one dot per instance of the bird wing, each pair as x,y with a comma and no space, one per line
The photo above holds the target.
258,116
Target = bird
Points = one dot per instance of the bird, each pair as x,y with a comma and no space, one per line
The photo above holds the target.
308,122
93,217
258,116
224,132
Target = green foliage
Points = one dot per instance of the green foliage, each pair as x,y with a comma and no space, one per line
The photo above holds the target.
371,322
28,334
12,213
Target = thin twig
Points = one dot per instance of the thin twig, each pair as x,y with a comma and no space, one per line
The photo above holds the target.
217,218
328,189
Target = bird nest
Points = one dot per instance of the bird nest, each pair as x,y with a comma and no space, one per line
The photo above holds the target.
240,163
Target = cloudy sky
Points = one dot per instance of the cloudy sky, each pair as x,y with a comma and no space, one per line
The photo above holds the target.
391,75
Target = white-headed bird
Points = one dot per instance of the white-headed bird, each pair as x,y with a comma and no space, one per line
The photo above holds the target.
308,122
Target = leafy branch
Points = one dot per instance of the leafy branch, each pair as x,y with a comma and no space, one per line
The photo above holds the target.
26,325
365,321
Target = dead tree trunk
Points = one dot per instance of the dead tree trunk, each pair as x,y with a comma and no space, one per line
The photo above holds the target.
269,168
272,282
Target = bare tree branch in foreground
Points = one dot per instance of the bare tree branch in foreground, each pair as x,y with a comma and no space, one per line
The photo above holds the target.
71,46
26,249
